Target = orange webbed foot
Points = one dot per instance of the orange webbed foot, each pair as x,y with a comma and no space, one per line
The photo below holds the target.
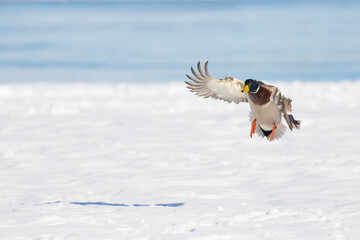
253,127
272,132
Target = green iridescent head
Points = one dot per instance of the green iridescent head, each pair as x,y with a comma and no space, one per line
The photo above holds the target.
251,85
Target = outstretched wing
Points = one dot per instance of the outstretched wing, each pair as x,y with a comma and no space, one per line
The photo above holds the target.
205,85
284,105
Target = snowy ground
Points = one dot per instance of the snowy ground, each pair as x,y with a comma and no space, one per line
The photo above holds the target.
77,159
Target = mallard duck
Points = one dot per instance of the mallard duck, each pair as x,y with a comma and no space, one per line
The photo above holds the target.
266,102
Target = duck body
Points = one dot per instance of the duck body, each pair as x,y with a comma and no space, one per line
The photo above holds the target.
265,111
267,115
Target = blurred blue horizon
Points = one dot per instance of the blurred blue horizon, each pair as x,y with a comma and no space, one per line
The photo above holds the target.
158,41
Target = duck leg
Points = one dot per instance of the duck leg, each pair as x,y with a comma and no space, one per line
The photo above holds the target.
253,127
272,132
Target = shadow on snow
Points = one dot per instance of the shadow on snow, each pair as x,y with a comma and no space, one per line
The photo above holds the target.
122,205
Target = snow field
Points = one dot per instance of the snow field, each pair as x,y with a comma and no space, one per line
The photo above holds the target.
64,145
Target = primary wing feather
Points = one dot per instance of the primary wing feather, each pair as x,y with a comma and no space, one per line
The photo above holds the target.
205,85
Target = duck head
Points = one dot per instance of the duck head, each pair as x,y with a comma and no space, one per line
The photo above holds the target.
251,85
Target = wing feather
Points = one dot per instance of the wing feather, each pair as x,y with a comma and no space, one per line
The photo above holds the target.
205,85
284,105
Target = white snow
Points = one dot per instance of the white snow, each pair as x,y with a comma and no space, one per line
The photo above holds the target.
73,154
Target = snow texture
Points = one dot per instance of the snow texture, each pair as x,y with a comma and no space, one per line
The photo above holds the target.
154,161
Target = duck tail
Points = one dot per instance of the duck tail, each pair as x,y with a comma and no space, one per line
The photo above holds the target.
279,131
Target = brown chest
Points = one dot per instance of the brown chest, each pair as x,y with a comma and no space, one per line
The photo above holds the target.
261,97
